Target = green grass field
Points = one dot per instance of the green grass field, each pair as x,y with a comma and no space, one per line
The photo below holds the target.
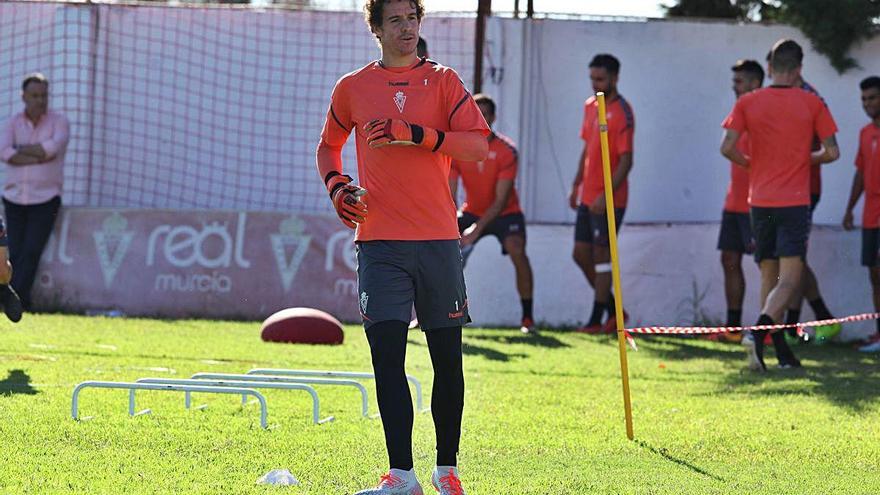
543,415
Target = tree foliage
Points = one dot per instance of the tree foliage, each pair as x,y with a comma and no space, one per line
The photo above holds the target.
833,27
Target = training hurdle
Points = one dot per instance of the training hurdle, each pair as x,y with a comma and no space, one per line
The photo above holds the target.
339,374
131,387
316,415
237,377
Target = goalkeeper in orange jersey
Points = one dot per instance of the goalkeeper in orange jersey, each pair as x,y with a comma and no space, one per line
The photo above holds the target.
410,117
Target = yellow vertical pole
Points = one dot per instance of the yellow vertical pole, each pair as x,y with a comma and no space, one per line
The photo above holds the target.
615,261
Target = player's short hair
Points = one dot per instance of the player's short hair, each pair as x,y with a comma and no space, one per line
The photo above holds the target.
422,47
606,61
34,77
751,68
870,82
374,9
786,56
484,99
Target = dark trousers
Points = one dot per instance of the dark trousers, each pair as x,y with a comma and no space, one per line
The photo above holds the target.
28,228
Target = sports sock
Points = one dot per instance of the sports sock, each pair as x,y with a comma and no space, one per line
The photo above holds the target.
447,396
820,309
759,335
734,317
611,306
792,316
526,308
598,311
388,349
783,352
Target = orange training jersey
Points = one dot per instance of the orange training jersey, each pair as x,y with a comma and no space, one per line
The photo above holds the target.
621,128
480,178
868,162
407,186
781,122
815,170
737,199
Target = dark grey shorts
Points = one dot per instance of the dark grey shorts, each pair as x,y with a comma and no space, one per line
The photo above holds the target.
501,227
781,232
736,233
395,275
592,228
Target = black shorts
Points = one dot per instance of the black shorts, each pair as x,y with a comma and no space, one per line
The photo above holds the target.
4,241
395,275
870,246
501,227
736,233
592,228
780,232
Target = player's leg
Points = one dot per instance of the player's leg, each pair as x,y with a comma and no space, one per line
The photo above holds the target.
734,286
583,240
442,306
583,257
870,247
386,293
447,395
764,228
793,313
793,230
809,290
602,260
790,275
16,224
781,281
734,239
39,224
515,245
817,303
8,298
511,231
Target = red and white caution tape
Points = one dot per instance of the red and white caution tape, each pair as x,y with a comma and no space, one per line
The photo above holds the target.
705,330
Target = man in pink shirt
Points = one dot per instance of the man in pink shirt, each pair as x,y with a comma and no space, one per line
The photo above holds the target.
32,143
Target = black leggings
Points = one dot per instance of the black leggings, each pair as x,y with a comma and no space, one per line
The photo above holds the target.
388,349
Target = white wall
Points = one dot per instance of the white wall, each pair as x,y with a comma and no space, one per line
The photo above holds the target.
662,267
677,77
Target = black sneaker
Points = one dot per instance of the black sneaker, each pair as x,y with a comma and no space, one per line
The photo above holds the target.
11,304
789,362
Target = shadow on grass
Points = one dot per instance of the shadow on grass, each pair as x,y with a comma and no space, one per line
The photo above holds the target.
18,382
469,349
664,453
154,357
540,339
843,376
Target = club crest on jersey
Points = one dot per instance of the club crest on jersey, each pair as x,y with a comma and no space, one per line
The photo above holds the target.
363,302
400,100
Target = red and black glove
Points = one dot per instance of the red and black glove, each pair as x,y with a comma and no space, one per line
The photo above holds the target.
346,199
382,132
